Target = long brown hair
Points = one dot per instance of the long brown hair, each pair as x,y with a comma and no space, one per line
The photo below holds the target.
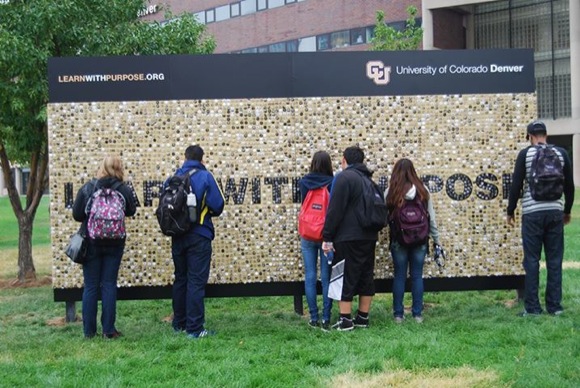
111,166
402,179
321,163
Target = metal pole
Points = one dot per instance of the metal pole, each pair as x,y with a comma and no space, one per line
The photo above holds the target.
71,313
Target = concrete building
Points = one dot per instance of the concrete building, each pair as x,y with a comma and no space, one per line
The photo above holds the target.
550,27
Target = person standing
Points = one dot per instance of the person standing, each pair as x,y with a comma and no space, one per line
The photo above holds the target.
320,176
191,252
405,185
101,268
542,223
350,242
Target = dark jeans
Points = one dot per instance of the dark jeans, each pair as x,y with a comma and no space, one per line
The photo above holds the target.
403,258
191,258
100,274
545,228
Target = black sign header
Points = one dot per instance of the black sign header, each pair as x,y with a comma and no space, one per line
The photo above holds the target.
286,75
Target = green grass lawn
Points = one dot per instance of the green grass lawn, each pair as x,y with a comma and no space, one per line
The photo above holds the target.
468,339
9,224
572,233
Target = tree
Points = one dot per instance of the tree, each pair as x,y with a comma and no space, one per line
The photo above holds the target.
388,38
31,31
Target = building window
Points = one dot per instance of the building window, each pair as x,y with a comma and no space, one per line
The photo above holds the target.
235,10
323,42
263,49
543,26
278,47
339,39
357,36
275,3
251,50
562,38
307,44
222,13
290,1
210,15
248,6
262,5
292,46
398,26
200,17
370,33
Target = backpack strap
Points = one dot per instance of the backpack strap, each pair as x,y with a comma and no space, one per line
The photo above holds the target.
90,197
116,185
189,175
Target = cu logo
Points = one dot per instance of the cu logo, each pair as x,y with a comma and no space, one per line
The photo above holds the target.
378,72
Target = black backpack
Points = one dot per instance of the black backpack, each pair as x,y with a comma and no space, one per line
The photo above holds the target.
546,177
374,214
172,212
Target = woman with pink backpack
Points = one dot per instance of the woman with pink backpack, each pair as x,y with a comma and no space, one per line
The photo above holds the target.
101,205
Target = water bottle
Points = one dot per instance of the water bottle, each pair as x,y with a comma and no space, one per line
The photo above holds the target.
328,249
192,207
330,257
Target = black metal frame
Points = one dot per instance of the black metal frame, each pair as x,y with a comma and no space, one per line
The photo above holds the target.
295,289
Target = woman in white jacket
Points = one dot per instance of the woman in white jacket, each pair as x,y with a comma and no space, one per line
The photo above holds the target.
405,185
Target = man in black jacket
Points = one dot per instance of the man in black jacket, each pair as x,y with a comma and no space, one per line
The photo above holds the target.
351,243
543,221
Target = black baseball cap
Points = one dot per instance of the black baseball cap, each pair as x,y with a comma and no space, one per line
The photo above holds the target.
536,128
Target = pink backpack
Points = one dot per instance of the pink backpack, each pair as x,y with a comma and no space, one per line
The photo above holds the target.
106,215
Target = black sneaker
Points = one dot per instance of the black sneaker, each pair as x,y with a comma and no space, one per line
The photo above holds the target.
312,323
201,334
325,326
361,322
343,324
557,312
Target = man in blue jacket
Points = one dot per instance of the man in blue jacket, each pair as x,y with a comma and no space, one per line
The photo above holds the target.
192,251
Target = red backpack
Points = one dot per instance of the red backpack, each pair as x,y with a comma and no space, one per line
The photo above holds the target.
313,213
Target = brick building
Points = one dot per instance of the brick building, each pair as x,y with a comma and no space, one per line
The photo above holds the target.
257,26
550,27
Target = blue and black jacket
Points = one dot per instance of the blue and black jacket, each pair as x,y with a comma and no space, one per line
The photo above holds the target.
210,199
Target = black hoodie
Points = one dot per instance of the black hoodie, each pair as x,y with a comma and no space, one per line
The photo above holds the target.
345,202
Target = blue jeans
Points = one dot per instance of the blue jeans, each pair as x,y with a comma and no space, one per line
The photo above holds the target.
545,228
191,258
311,252
100,277
403,258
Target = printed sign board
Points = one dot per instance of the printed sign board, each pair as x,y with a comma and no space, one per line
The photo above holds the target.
459,115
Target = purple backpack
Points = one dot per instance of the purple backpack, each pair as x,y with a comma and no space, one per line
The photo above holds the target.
106,217
410,223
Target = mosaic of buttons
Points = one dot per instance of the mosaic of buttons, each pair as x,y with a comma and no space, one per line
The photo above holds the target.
463,146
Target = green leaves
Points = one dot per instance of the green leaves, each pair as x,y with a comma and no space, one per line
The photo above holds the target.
388,38
33,31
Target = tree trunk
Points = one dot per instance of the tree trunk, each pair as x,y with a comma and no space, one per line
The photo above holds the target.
26,270
25,216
